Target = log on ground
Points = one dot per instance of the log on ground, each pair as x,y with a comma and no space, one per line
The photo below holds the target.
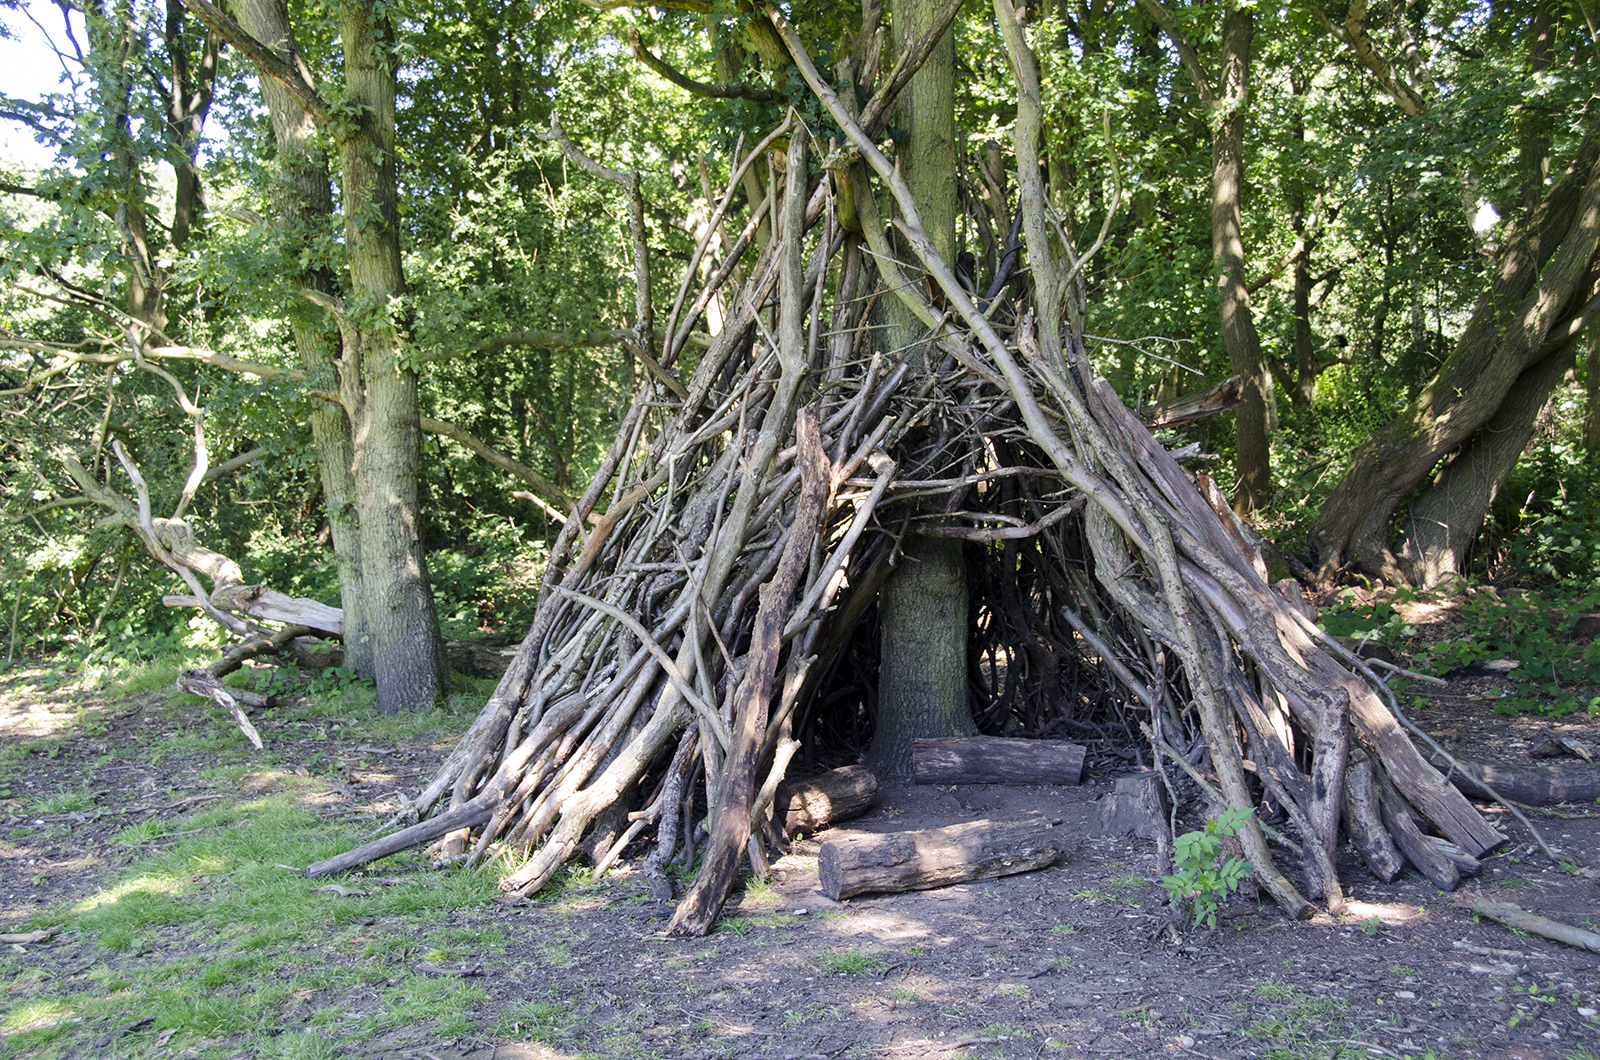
863,863
1536,785
996,760
814,803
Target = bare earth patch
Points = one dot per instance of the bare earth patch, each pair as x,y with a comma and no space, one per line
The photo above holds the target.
1076,960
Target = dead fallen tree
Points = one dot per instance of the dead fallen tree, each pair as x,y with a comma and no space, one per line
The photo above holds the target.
746,515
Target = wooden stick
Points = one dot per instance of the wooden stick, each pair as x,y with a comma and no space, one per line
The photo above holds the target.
1522,920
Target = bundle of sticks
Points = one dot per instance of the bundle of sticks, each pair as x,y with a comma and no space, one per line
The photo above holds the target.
754,505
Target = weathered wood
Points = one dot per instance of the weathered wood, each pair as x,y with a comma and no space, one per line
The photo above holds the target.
1536,785
1522,920
730,825
1465,863
1138,807
814,803
862,863
200,683
1228,394
1422,854
996,760
1364,821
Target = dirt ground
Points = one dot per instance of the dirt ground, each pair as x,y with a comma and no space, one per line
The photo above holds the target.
1075,960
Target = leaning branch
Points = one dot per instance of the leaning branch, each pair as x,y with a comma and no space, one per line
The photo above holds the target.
544,486
295,81
737,90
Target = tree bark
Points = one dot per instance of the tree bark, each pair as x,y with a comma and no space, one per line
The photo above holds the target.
922,612
936,857
995,760
380,390
303,198
1252,447
814,803
1226,94
1445,519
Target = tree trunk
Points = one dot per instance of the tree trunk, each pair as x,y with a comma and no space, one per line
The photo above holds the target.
304,200
1540,280
1252,452
922,612
1444,521
116,44
380,391
1591,393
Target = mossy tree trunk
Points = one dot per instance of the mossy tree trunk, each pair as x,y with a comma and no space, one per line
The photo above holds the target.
303,198
922,612
379,388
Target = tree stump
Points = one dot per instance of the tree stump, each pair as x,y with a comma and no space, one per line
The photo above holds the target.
1138,807
936,857
812,804
996,760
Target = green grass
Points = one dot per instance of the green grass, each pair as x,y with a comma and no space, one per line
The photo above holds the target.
66,802
539,1021
852,962
209,936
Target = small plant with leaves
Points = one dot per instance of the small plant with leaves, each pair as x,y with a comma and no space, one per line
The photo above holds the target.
1202,876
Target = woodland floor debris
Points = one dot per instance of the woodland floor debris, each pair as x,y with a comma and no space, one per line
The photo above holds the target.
1072,960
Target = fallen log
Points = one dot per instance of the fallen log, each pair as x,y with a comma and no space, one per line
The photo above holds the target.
996,760
863,863
814,803
1541,785
1522,920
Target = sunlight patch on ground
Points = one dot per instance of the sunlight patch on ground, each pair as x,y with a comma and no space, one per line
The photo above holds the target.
34,1016
21,716
885,927
170,886
1427,612
1391,914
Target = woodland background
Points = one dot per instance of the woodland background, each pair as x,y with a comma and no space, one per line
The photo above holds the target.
155,289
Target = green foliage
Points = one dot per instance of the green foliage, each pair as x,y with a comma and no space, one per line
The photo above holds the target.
1202,877
1554,676
1378,621
1546,532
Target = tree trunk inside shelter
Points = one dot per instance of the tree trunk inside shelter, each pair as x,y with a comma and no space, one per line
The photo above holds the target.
922,613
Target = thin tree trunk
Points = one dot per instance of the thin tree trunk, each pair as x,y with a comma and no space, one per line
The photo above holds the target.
1252,452
380,390
304,201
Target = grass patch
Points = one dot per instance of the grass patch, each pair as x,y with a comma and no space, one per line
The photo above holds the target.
539,1021
852,962
66,802
223,948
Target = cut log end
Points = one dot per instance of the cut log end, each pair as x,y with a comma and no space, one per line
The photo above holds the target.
814,803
